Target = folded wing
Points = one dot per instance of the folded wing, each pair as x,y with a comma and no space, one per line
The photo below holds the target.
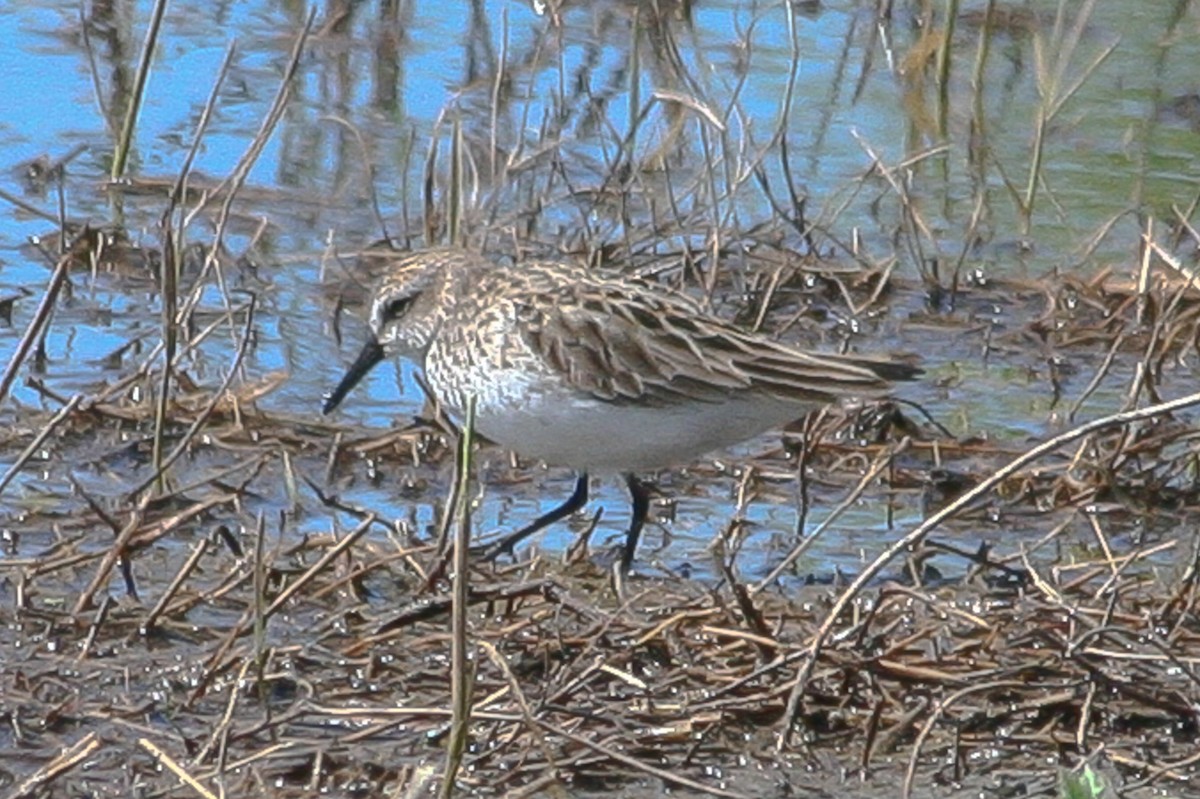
654,348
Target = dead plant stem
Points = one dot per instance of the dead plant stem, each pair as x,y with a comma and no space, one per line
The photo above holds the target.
915,536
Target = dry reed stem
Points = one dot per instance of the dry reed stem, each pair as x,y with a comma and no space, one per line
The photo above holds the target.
322,662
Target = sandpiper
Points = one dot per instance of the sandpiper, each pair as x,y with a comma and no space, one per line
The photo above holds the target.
593,370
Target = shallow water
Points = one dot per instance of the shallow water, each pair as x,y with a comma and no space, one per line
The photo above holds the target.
1121,149
900,173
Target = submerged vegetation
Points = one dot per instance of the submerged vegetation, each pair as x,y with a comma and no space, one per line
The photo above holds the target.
206,588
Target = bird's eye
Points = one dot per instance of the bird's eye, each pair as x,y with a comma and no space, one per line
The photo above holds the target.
396,308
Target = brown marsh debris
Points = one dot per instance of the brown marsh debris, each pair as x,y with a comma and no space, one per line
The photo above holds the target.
244,655
204,594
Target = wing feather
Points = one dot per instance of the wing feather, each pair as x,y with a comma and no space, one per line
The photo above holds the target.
655,348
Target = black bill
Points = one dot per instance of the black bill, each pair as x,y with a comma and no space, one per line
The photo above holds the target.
371,354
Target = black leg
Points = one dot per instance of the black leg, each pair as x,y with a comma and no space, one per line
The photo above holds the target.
640,492
576,501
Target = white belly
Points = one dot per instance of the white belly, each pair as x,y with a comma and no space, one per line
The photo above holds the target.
537,416
594,435
591,434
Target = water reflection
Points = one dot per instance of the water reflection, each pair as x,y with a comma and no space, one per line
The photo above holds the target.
847,179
